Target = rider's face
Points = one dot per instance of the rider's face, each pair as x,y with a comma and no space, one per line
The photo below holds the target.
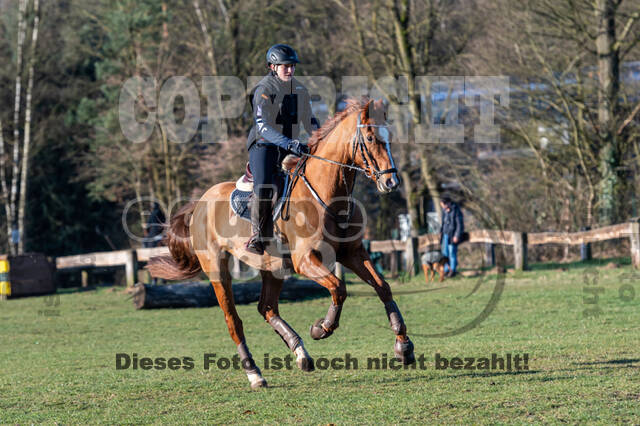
284,71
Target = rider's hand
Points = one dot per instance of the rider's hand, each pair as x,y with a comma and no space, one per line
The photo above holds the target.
297,148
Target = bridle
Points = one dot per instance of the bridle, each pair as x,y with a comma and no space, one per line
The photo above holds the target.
359,144
370,169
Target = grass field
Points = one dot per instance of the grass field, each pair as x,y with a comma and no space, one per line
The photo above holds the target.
57,361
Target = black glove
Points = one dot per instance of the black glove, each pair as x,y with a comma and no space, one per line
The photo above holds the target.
297,148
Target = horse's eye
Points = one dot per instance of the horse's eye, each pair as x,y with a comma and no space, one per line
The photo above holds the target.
370,138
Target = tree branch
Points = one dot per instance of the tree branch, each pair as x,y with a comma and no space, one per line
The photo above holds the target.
207,38
628,120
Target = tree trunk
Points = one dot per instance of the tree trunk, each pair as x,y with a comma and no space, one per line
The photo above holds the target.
609,84
410,194
608,65
233,30
200,295
207,38
167,165
430,181
3,183
27,130
22,26
401,27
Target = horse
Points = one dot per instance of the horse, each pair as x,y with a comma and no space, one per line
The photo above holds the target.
321,226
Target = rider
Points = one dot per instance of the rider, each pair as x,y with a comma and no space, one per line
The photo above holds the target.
280,103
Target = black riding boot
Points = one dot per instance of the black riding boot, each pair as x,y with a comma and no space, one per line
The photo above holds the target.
261,226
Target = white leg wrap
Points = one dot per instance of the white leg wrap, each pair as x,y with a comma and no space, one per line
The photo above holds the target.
301,352
303,359
256,380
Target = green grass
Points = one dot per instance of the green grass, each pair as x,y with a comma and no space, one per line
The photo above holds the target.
61,369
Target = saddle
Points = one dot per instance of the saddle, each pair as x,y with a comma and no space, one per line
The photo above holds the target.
245,183
244,190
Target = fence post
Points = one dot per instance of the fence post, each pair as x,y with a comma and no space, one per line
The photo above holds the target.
393,264
413,258
490,254
339,271
84,275
520,250
585,248
131,267
5,284
144,276
634,236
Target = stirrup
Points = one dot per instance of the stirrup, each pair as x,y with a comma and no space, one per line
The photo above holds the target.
255,245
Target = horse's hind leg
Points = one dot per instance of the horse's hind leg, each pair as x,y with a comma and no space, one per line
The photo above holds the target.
221,281
358,261
268,307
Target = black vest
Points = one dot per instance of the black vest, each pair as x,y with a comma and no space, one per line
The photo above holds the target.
283,106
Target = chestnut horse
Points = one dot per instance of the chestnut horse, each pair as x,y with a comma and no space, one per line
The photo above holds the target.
322,227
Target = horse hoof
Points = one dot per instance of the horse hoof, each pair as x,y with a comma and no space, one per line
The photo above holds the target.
404,351
262,383
318,332
306,364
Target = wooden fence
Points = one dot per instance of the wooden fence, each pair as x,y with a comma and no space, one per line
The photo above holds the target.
411,248
519,241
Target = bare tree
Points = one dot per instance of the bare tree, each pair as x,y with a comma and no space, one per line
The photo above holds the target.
16,199
409,39
27,127
593,105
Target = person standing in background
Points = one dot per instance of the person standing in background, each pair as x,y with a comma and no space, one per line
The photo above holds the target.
451,231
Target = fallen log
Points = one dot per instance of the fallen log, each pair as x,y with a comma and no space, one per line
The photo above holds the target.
201,295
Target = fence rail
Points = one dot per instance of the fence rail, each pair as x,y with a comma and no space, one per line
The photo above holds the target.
575,238
518,240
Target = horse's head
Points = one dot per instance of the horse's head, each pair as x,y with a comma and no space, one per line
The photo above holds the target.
372,147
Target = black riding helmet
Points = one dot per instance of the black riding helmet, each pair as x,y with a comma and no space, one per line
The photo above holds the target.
282,54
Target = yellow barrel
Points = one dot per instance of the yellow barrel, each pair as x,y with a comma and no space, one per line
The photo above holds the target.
5,285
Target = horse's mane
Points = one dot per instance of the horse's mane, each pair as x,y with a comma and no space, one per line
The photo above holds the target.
319,135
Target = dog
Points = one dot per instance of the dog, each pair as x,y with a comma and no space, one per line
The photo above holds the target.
433,261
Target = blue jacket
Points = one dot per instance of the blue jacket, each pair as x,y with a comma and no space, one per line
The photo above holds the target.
452,223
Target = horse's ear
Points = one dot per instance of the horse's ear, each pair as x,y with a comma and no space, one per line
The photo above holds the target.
368,110
381,106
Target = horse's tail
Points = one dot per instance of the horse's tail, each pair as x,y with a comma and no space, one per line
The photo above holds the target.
183,262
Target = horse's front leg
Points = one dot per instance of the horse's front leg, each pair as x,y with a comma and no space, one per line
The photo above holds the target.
360,263
310,265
